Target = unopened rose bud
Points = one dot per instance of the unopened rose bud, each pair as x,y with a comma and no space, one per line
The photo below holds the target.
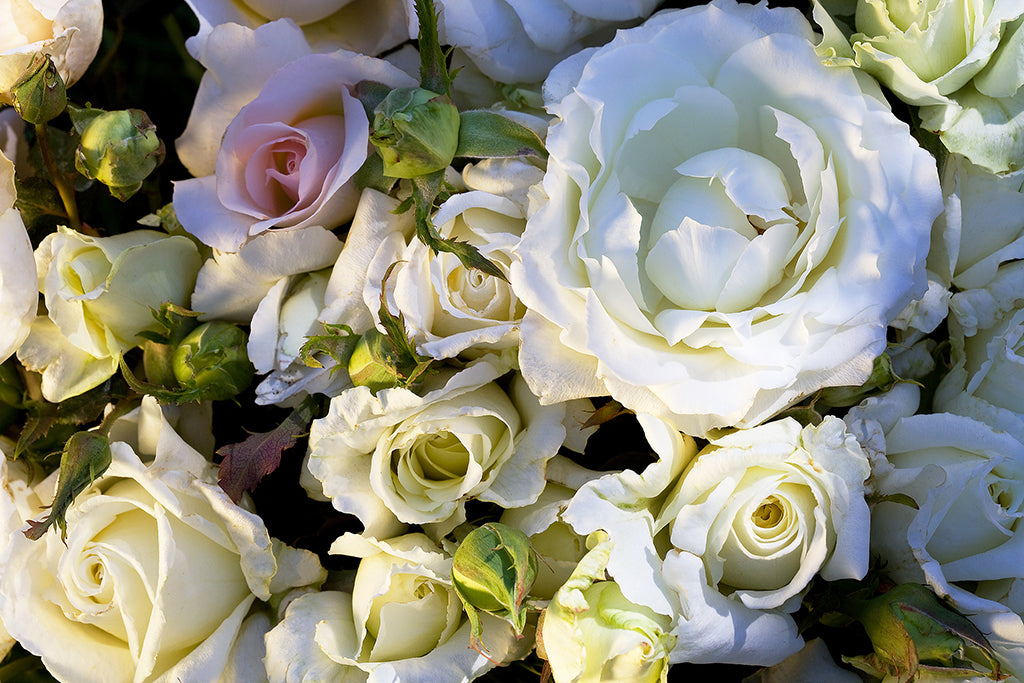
85,458
493,570
39,94
416,132
118,148
911,631
374,362
213,359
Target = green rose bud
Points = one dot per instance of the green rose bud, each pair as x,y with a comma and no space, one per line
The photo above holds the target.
213,359
416,132
118,148
493,570
39,94
911,631
374,362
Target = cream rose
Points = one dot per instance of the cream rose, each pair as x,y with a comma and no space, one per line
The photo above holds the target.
522,41
69,31
402,622
100,293
398,457
287,158
959,60
19,292
769,508
156,579
365,26
449,309
967,480
729,233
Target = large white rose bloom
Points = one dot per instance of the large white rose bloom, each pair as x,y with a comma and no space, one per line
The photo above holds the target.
731,232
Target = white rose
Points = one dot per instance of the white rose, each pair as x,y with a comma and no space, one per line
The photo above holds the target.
400,457
402,622
450,309
967,481
767,509
156,579
731,232
521,41
69,31
365,26
19,290
100,293
287,158
987,376
961,62
710,626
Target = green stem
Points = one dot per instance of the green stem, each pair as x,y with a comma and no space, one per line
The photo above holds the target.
64,188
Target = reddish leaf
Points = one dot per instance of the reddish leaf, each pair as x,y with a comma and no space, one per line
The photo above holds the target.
246,463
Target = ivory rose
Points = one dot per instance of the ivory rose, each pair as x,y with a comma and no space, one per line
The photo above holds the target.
450,309
402,621
767,509
287,158
156,579
399,457
728,234
19,291
960,61
100,293
365,26
67,30
516,42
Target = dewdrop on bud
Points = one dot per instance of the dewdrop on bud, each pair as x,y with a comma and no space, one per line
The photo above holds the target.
118,148
213,359
493,570
416,132
39,94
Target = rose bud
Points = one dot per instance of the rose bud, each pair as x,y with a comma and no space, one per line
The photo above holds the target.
882,378
212,358
493,570
39,94
374,362
118,148
416,132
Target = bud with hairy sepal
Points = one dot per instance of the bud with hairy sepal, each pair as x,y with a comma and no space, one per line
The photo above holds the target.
374,362
913,633
85,458
416,132
212,361
39,94
493,570
118,148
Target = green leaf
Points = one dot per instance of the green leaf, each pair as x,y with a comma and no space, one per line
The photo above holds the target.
425,190
485,134
245,464
85,458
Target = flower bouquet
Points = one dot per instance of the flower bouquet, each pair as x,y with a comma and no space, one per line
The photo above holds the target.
557,340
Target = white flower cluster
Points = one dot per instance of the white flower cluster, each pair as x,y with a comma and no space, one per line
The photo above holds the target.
732,238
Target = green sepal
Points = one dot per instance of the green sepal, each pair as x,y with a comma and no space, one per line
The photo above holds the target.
370,94
337,343
39,95
85,458
486,134
433,67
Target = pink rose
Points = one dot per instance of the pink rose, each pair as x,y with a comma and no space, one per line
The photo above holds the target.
287,158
